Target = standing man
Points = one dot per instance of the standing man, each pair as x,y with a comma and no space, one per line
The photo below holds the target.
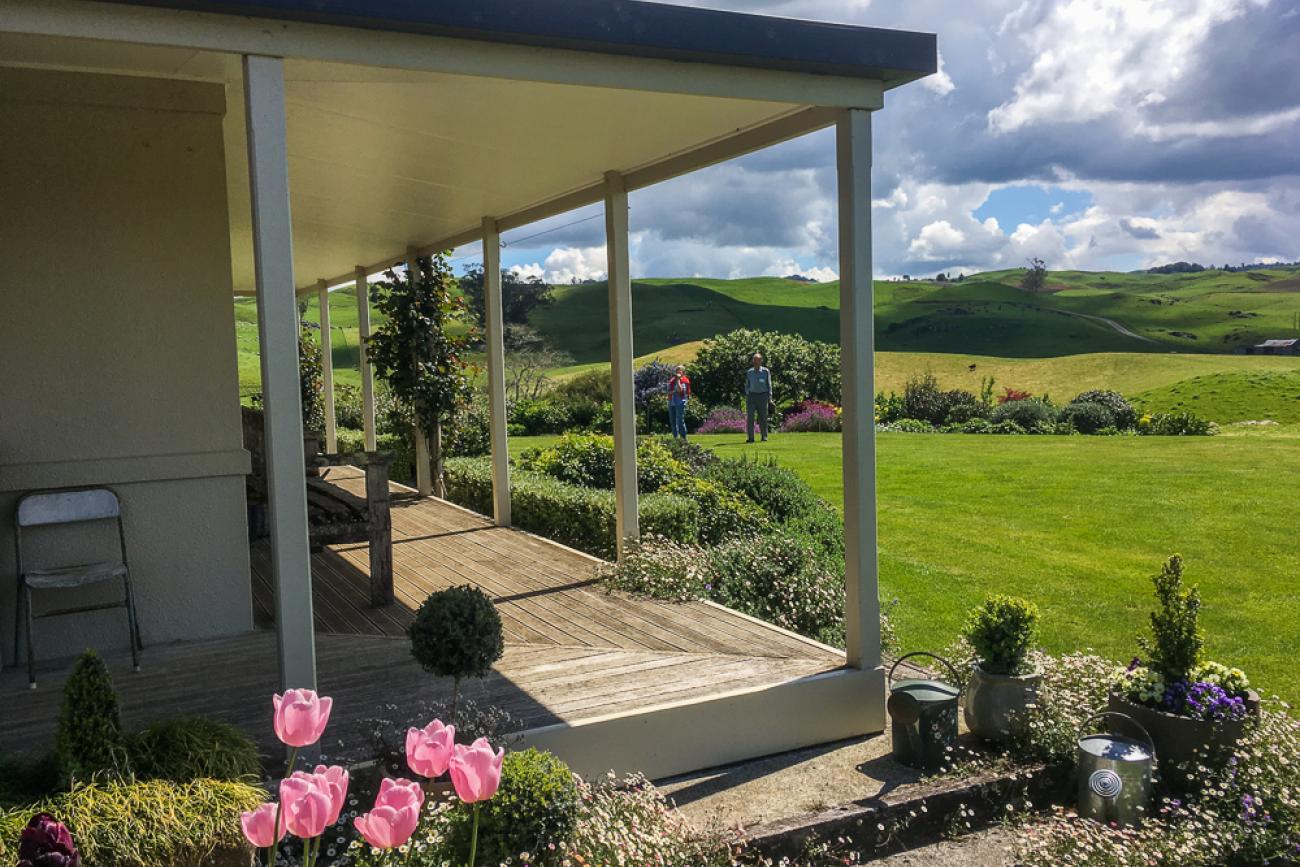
758,395
679,391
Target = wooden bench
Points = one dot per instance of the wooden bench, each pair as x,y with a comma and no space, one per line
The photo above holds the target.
336,516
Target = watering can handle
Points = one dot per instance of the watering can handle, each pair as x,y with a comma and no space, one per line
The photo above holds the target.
1105,713
899,661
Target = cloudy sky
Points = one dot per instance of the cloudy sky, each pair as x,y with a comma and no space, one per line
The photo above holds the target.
1097,134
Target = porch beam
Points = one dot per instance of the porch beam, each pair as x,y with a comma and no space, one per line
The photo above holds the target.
627,521
327,367
862,615
277,311
784,128
367,376
496,371
423,462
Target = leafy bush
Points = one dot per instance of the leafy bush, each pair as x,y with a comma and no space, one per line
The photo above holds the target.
469,434
654,418
801,368
1033,414
143,824
723,512
594,385
582,518
778,577
812,416
778,490
535,810
649,380
1123,412
588,460
1002,631
544,415
310,378
1088,418
1176,424
889,407
823,527
662,569
908,425
923,401
1174,648
457,633
194,748
723,419
695,457
963,407
90,740
1011,395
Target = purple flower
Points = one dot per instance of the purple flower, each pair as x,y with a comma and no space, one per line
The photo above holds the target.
1203,701
45,842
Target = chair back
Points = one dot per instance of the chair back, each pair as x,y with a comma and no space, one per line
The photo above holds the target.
67,507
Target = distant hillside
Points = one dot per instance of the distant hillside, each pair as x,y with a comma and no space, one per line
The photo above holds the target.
1081,312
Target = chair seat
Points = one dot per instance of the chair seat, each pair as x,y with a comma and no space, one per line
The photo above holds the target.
73,576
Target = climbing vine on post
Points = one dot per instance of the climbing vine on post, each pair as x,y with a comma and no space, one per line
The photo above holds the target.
420,348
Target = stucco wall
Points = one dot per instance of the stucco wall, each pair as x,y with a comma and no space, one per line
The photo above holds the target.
117,355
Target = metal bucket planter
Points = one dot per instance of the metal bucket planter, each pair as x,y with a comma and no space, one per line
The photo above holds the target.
997,705
1183,742
924,716
1115,773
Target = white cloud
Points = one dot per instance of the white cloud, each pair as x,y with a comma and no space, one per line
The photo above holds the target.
526,271
937,241
1094,58
567,264
941,82
789,267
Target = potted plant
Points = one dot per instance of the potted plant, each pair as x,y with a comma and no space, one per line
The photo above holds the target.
1003,683
1195,710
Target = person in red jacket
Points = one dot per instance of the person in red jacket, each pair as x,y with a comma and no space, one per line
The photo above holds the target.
679,391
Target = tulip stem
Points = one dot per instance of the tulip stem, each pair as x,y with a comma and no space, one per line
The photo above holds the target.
275,847
473,838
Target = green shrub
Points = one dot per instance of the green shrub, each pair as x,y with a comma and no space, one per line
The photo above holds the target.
543,415
801,369
90,740
469,435
1033,414
401,470
1003,631
778,577
193,748
1174,648
1088,418
923,401
723,512
28,778
654,418
588,460
1176,424
593,385
778,490
143,824
662,569
695,457
823,527
536,806
908,425
582,518
1123,412
457,633
963,406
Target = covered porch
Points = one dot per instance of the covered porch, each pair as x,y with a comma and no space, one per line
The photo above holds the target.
354,137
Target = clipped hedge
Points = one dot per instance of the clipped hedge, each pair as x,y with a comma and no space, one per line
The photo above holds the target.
402,469
582,518
144,824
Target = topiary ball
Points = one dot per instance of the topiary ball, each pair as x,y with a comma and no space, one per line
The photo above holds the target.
1003,630
536,805
457,633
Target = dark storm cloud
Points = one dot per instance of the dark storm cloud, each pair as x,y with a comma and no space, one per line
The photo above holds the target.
1139,232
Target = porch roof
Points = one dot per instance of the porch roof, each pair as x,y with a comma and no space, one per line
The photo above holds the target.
409,122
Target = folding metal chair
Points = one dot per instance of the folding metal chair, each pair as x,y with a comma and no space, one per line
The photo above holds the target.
60,508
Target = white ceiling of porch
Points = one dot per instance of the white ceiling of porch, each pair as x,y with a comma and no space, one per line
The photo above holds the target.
380,159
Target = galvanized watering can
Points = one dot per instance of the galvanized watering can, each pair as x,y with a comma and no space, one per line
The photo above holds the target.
924,714
1115,773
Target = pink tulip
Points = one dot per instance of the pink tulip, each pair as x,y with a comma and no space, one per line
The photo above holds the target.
395,816
399,794
428,750
334,782
259,826
476,771
300,716
305,805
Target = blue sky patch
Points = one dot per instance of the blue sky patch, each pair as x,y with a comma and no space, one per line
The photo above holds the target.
1031,203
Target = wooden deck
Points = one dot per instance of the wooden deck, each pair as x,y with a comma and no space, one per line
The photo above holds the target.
574,652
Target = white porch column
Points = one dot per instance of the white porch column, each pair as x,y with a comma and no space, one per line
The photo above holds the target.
278,342
367,377
423,467
327,366
857,340
496,370
620,358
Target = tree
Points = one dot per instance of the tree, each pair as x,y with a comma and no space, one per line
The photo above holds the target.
420,348
1035,275
520,296
310,376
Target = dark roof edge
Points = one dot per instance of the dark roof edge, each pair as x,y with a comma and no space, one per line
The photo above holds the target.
624,27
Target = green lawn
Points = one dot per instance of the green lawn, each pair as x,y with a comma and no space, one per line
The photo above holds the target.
1078,524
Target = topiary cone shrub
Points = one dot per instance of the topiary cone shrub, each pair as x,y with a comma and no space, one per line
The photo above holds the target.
457,634
90,740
